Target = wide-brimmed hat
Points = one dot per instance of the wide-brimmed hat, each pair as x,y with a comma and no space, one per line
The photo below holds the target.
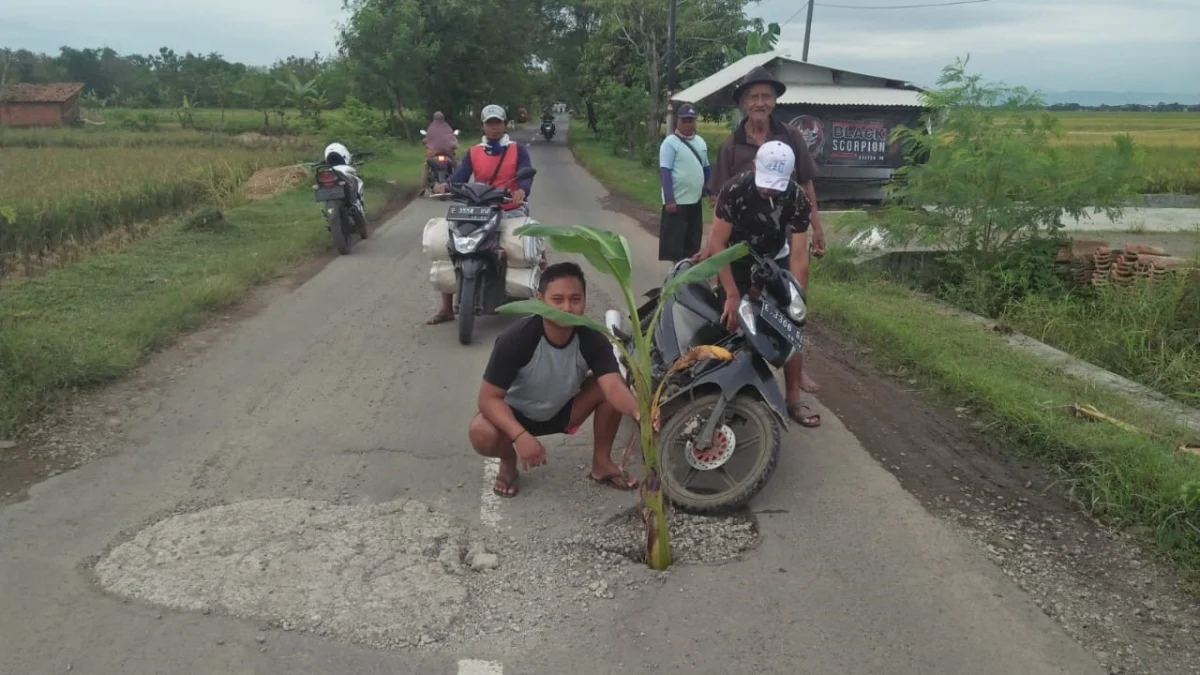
758,75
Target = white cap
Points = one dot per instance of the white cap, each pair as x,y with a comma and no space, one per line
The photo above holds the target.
773,166
493,112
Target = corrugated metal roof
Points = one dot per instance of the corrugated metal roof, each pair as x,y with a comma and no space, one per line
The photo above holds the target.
58,92
865,96
725,77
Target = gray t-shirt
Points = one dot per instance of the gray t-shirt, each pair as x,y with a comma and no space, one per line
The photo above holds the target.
540,377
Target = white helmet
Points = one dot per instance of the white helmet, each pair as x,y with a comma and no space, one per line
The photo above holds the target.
337,154
493,112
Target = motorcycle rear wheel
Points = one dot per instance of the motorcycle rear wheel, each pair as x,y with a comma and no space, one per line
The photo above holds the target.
677,473
337,229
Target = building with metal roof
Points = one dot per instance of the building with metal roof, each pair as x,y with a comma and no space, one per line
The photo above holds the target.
846,117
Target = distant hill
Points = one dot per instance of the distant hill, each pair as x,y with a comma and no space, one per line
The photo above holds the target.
1118,98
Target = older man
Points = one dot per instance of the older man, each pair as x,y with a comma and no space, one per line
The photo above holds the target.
756,94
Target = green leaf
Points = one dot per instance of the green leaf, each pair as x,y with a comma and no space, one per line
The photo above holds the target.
706,269
556,315
606,251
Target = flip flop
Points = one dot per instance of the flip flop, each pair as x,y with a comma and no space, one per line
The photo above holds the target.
809,421
508,485
439,319
611,481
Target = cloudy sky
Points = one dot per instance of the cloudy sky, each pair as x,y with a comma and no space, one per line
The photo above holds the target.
1053,45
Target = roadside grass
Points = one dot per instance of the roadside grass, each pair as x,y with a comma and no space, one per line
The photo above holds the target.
1126,477
89,323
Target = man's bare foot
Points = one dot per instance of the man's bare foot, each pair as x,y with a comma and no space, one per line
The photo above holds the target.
440,317
608,473
506,480
808,385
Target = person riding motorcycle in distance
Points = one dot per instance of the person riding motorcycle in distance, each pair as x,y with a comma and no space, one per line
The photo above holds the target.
439,140
495,161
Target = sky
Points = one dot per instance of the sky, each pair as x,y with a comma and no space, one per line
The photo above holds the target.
1051,45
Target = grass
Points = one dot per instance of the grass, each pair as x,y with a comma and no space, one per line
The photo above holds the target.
88,323
1135,478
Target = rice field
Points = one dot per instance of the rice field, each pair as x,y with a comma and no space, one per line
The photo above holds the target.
62,187
1171,142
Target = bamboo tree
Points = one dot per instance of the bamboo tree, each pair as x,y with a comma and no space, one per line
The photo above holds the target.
609,253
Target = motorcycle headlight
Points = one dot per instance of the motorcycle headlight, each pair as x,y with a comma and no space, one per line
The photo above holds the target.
468,243
797,308
746,312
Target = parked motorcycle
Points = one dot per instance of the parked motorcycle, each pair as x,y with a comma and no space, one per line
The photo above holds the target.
702,406
548,129
476,251
341,190
440,167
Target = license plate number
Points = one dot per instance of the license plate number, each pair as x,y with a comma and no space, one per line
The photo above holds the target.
780,323
469,213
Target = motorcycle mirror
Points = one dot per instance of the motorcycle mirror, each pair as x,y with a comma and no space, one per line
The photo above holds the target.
527,172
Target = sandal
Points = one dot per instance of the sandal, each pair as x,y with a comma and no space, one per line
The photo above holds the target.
808,421
611,481
509,489
439,318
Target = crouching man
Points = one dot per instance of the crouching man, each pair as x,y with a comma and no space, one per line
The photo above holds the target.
537,383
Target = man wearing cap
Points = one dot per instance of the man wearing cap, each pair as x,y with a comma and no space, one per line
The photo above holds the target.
756,95
684,169
768,210
495,161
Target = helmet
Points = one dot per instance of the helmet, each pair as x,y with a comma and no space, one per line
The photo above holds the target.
337,154
493,112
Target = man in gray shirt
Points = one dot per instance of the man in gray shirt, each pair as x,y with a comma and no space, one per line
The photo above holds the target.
537,383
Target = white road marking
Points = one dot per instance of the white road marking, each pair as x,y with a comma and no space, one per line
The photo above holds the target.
473,667
489,508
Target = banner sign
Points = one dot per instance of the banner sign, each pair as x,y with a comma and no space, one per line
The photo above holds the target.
849,136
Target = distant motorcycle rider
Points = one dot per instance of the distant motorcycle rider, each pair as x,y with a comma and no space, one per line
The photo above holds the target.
495,161
439,140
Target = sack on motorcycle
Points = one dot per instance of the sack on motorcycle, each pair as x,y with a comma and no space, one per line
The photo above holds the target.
442,278
520,283
522,252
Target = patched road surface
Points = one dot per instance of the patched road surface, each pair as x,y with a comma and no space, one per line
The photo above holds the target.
302,500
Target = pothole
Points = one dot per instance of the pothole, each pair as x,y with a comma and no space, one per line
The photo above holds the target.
383,575
694,539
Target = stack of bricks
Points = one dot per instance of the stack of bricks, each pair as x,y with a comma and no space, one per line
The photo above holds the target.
1094,263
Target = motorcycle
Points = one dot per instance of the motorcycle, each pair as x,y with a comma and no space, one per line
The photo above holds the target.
701,405
480,262
547,129
340,189
440,167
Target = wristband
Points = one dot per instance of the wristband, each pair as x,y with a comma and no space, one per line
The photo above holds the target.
523,432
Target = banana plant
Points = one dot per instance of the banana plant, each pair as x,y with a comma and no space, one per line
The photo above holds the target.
609,253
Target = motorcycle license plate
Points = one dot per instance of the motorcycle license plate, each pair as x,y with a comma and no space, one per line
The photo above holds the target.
326,194
471,214
782,325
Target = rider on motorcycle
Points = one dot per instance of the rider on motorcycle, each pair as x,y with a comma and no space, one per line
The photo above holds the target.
339,158
439,140
495,161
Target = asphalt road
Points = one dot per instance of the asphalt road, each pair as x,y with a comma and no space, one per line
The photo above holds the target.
338,394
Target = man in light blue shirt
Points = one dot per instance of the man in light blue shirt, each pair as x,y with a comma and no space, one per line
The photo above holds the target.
684,169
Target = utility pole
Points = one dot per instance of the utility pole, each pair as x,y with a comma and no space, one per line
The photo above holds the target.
807,30
671,69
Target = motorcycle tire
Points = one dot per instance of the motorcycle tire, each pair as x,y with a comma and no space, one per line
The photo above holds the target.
337,229
466,310
672,454
360,222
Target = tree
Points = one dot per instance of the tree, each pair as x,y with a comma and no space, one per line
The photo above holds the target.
609,253
983,172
